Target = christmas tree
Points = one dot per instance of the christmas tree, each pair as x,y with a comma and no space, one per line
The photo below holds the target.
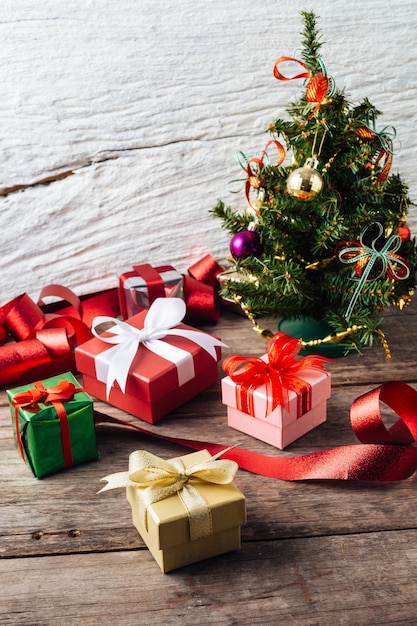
325,236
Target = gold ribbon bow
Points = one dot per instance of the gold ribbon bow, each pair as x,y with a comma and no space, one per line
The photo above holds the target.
157,479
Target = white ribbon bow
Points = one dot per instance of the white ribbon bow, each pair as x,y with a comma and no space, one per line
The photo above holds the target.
165,313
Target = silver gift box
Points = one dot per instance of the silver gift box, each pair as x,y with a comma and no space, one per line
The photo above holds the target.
136,291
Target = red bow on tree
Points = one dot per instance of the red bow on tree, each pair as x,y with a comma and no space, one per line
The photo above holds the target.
317,87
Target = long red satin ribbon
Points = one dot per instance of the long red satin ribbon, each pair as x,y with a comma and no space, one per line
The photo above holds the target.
254,167
379,457
56,395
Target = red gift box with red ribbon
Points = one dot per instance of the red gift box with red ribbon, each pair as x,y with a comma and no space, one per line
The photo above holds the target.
141,285
276,398
151,364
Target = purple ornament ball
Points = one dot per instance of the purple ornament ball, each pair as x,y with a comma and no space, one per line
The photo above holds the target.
244,244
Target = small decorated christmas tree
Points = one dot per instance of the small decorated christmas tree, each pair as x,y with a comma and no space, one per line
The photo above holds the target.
324,237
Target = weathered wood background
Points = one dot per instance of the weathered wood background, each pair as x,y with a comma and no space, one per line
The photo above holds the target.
120,121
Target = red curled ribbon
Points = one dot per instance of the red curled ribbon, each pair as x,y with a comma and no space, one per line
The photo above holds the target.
46,334
56,395
316,88
280,374
379,457
45,340
254,169
201,290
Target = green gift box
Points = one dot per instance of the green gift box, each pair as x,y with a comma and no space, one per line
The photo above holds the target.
53,424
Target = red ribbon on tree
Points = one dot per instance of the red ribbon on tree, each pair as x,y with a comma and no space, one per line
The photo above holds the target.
254,169
56,395
280,373
316,88
384,155
385,137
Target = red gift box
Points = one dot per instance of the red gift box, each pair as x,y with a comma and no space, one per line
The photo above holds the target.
155,385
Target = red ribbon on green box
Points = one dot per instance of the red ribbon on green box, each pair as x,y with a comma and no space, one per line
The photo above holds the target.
56,395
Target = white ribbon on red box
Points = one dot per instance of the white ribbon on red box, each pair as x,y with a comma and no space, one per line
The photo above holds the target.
164,314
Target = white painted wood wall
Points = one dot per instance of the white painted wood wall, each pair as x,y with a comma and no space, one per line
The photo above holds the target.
135,109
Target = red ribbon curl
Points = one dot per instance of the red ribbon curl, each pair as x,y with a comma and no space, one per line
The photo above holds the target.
254,168
46,334
280,373
56,395
316,88
201,290
384,155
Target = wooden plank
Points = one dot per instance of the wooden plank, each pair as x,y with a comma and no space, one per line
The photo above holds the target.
363,579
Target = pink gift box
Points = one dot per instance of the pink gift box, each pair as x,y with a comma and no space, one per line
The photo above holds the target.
284,424
153,388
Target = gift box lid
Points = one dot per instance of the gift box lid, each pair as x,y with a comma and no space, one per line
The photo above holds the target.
320,385
42,411
168,521
150,375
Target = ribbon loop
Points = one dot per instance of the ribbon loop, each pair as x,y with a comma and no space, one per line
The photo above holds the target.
319,85
283,59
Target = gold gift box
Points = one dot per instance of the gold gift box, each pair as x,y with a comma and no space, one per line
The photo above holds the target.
167,534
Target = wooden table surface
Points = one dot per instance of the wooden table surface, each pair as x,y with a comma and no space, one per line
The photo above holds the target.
317,553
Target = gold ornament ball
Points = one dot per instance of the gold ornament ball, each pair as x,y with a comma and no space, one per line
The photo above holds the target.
304,183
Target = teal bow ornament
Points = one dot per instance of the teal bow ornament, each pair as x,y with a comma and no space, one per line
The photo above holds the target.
391,265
